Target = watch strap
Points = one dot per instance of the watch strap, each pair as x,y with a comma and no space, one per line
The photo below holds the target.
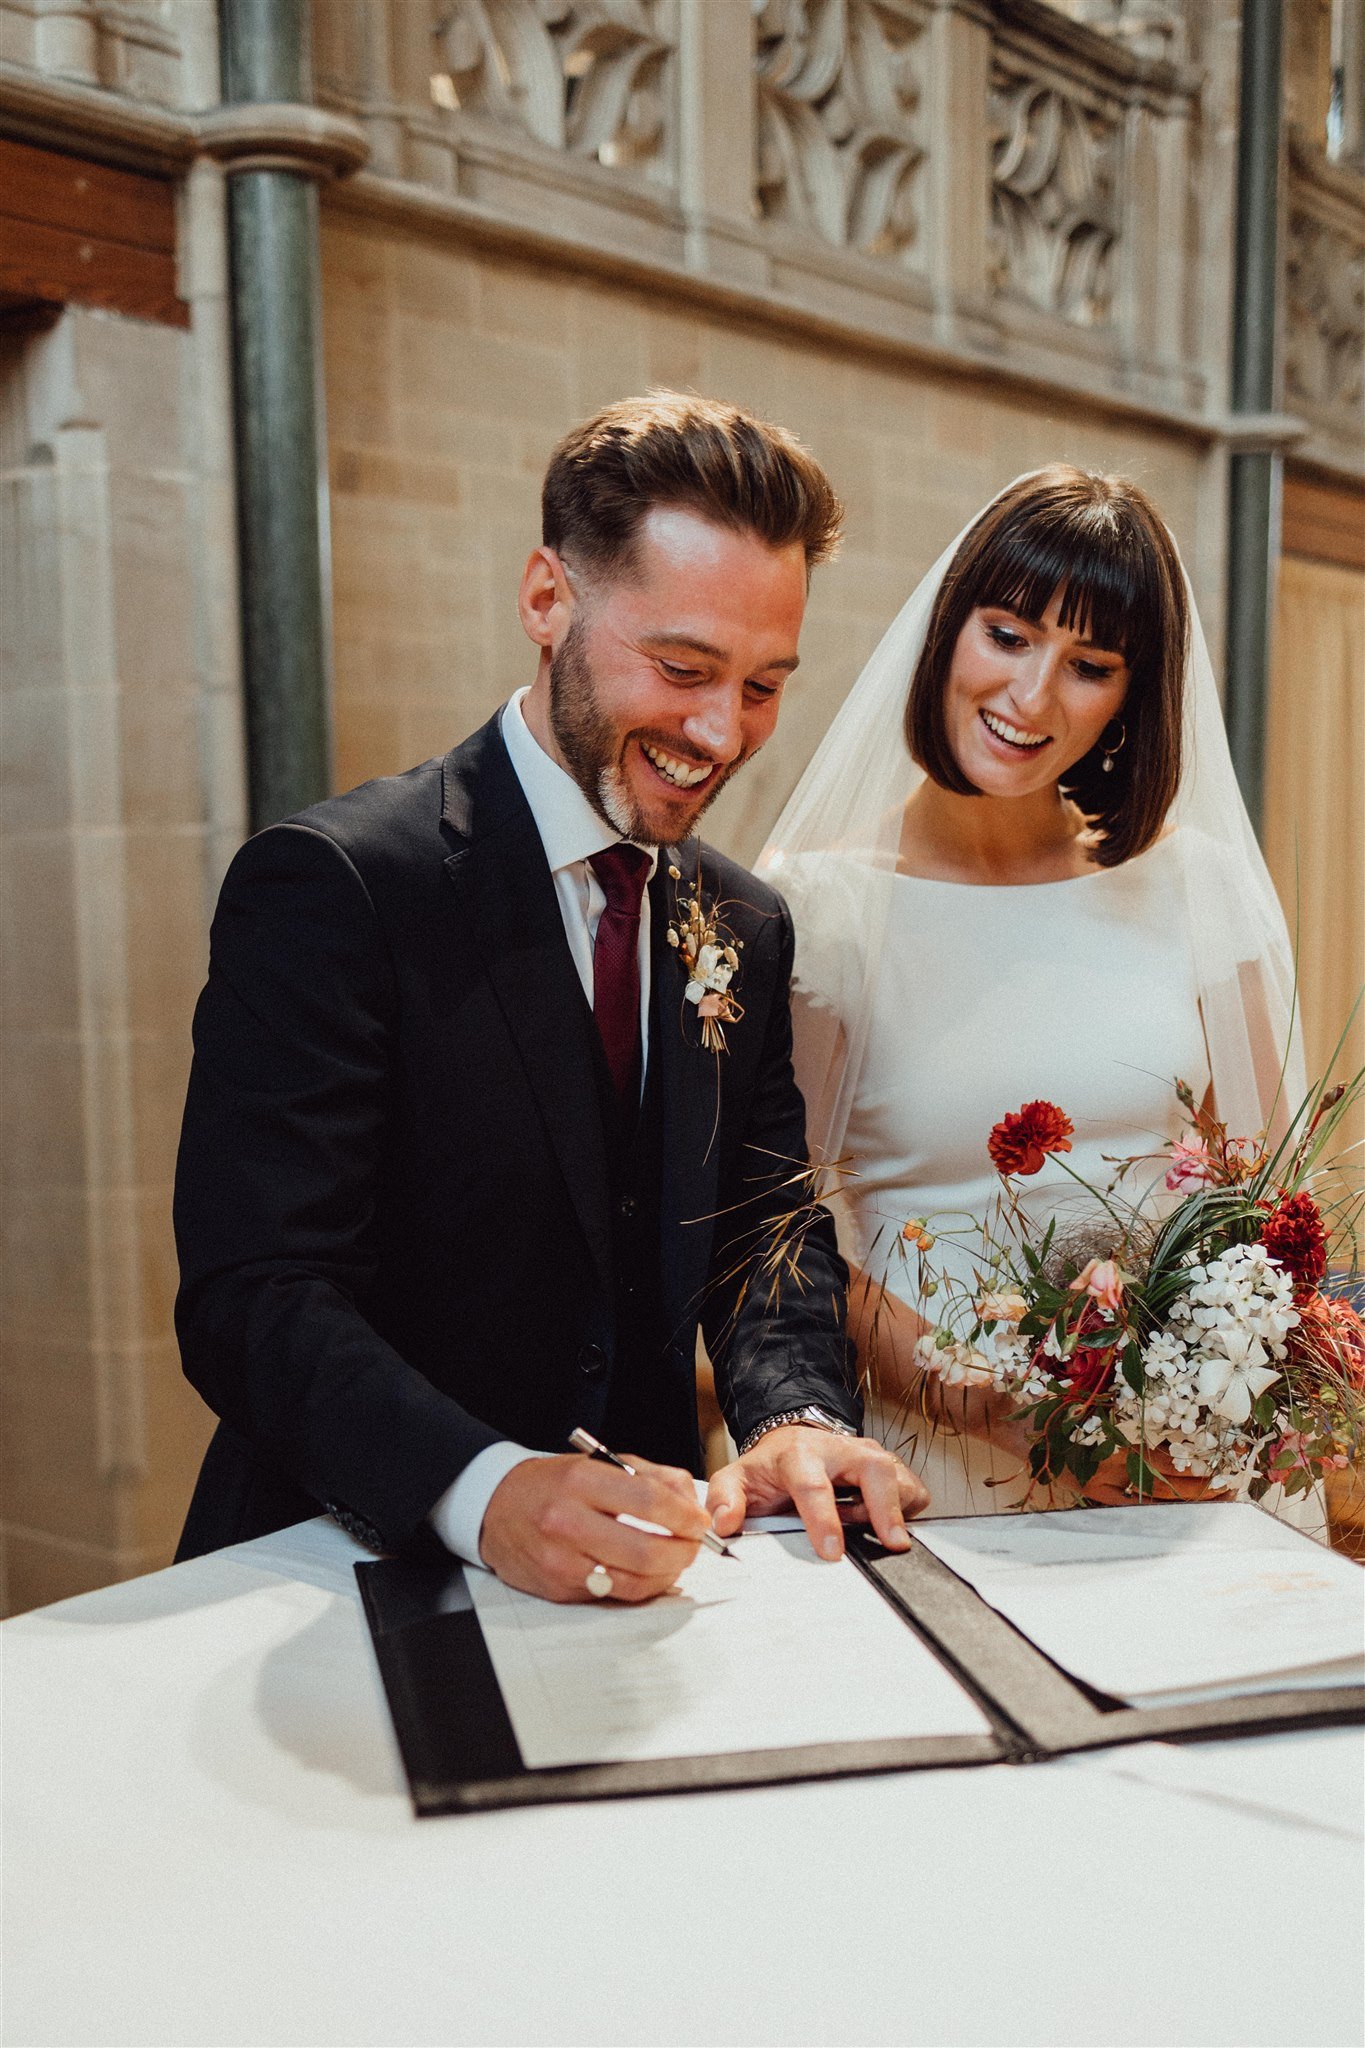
808,1417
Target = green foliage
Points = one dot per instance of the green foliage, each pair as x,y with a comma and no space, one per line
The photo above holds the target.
1141,1477
1263,1409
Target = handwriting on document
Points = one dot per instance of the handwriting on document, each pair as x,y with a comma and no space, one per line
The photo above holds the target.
786,1651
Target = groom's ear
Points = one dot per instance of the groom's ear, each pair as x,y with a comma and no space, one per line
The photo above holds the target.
546,600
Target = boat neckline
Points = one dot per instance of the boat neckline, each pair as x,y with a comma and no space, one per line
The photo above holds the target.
1059,882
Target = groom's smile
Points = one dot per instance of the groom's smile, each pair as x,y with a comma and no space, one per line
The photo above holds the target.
677,772
661,677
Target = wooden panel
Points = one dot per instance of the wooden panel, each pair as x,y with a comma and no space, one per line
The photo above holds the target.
51,263
20,314
1315,797
89,199
72,231
1324,522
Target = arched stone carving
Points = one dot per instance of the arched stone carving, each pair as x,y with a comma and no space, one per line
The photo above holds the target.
587,77
838,93
1324,315
1054,197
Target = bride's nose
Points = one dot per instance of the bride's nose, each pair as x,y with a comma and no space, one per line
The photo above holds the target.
1033,682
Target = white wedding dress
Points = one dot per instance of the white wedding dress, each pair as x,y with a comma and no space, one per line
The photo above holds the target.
1080,992
924,1011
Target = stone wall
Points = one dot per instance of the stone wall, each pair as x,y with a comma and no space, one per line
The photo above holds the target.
450,375
120,801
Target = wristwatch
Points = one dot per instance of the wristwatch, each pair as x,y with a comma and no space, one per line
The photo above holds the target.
811,1417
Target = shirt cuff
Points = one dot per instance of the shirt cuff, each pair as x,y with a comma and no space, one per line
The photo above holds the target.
458,1515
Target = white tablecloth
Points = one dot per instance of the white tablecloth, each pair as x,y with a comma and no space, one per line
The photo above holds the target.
208,1839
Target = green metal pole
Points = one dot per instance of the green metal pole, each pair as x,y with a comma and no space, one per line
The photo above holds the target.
1255,475
280,429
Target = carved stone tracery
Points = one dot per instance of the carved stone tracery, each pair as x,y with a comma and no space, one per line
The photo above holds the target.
838,92
1054,197
1324,315
587,77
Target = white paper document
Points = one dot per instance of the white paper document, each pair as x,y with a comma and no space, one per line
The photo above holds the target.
1161,1603
770,1649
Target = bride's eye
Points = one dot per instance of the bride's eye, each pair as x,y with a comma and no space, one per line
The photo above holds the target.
1003,637
1094,671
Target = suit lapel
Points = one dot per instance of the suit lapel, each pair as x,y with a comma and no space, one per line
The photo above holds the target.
690,1088
503,883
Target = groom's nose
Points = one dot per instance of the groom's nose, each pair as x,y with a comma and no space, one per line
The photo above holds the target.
714,726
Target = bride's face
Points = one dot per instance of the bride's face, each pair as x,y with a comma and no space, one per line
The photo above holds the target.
1026,699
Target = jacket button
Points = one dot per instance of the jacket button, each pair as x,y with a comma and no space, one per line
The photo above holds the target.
592,1361
628,1206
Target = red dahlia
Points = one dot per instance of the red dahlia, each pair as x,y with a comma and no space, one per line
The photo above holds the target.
1019,1144
1294,1237
1089,1366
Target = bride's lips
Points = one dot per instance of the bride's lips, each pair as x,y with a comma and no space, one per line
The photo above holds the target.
1008,749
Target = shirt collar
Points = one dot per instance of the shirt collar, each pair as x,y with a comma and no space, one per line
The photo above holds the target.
570,829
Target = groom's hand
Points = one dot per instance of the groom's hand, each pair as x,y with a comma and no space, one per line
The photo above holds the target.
798,1466
552,1519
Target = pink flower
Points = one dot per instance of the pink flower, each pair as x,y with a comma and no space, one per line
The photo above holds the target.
1190,1167
1100,1280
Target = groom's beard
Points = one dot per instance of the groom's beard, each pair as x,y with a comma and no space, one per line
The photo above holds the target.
594,752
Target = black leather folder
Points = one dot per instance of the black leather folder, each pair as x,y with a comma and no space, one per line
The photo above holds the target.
461,1755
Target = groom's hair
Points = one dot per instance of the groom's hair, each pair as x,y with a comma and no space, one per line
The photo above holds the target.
1102,543
675,449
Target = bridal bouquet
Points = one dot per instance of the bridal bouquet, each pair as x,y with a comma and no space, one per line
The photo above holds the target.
1199,1343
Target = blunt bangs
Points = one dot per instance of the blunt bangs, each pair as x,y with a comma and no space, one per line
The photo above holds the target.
1103,563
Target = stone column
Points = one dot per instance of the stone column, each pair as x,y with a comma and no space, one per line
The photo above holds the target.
959,170
717,138
1254,474
274,146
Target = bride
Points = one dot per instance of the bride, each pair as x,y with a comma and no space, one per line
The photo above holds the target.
1020,867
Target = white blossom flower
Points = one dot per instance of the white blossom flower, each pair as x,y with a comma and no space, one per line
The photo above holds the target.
1231,1378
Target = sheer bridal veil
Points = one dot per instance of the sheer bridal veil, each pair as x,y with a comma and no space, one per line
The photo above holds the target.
833,854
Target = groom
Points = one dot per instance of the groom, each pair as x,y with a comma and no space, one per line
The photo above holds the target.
468,1149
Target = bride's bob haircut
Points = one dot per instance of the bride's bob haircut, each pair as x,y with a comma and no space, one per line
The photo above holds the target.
1100,541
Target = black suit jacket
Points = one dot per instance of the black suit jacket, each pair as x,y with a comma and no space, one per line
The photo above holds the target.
392,1197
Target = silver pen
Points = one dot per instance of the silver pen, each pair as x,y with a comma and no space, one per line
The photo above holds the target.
591,1448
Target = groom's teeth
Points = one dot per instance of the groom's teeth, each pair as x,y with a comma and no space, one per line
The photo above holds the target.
1012,732
677,771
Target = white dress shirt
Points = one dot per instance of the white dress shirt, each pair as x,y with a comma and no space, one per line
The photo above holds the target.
571,832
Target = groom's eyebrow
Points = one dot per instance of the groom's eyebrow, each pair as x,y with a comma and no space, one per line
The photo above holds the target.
783,661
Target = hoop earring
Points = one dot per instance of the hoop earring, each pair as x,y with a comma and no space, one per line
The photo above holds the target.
1115,747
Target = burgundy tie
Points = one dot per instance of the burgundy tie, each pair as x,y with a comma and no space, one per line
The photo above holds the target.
616,962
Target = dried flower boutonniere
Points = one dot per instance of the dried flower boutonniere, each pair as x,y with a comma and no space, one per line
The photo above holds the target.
709,953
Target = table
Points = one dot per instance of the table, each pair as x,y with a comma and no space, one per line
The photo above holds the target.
208,1839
